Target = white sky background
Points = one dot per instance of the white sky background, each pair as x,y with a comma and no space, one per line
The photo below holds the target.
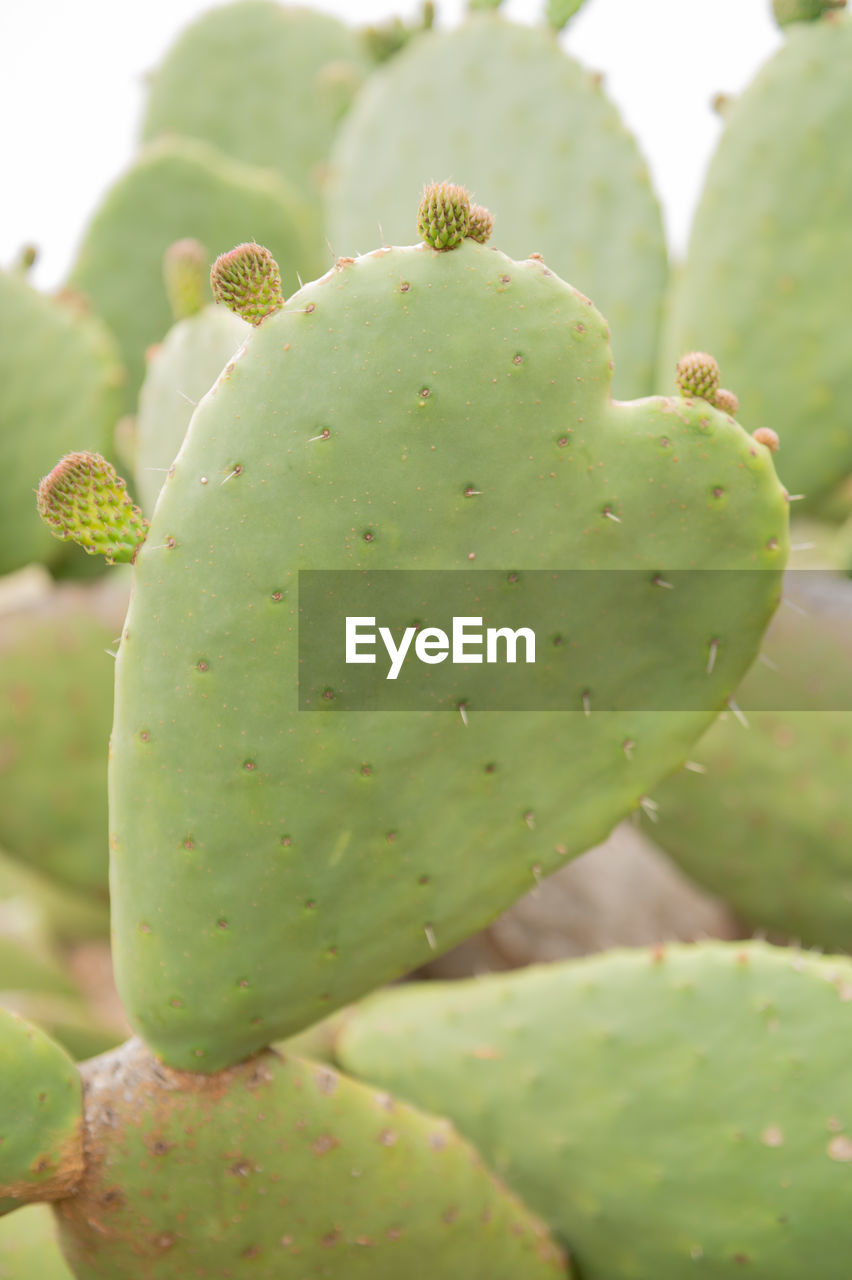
72,88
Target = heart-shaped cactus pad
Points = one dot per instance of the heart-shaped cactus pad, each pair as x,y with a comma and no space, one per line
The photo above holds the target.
413,409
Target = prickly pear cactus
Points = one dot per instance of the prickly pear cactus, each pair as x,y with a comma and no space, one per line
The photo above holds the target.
288,1169
768,823
669,1111
179,187
60,388
56,689
180,371
763,286
41,1116
532,134
349,434
297,72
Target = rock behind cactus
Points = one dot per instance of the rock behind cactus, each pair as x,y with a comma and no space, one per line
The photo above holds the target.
668,1112
765,284
532,135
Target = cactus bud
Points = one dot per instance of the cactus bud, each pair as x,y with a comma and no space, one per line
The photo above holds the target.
698,375
768,437
481,224
787,11
443,219
726,401
248,281
85,500
185,275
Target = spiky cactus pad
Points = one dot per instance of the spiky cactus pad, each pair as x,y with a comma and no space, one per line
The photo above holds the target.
60,389
248,836
765,284
179,187
533,136
286,1170
181,369
41,1116
675,1111
768,824
56,680
84,500
296,72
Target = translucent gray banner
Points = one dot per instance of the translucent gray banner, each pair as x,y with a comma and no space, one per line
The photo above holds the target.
573,640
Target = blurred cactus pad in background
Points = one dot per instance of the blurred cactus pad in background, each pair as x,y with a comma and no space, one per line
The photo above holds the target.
399,298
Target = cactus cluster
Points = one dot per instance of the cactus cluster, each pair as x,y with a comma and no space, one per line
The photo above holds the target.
437,406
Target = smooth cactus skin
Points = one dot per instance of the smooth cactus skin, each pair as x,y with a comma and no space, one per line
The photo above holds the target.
670,1111
532,135
263,82
286,1170
181,370
56,685
769,825
247,835
60,389
41,1116
761,287
180,187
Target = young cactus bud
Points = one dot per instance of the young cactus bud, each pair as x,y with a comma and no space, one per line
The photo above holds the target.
768,437
698,375
248,281
85,500
787,11
481,224
185,275
726,401
443,219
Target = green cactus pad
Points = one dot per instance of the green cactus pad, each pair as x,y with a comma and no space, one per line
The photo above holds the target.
768,826
787,11
56,684
285,1170
673,1112
763,286
41,1116
185,274
60,389
532,136
263,82
178,188
181,370
251,840
28,1248
84,500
